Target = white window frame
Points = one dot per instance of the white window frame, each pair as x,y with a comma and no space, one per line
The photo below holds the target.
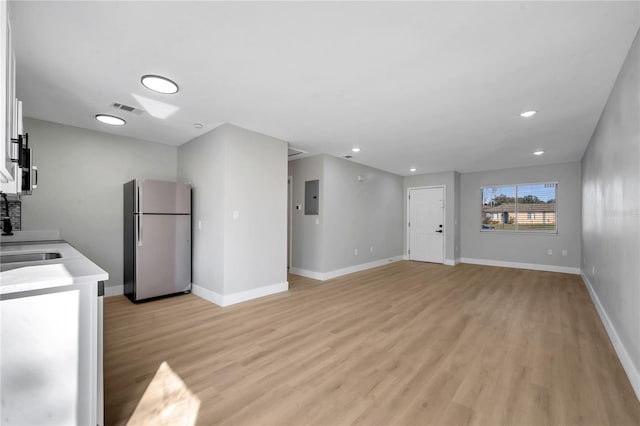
517,231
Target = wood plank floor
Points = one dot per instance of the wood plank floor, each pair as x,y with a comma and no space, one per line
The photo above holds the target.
405,344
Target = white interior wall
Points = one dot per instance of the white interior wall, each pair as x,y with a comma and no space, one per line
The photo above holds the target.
239,181
255,205
202,163
81,173
611,216
527,250
362,215
353,215
308,230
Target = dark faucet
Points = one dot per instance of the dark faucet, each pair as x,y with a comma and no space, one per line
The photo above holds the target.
6,221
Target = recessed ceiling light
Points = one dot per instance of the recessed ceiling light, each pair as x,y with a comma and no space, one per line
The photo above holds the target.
355,149
538,152
198,126
159,84
413,169
110,119
528,114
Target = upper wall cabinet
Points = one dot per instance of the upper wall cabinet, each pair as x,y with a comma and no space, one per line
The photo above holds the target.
10,114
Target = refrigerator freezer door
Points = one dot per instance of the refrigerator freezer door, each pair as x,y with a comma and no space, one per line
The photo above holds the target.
163,256
158,196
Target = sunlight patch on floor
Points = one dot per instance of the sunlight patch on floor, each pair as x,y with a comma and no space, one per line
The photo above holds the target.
166,401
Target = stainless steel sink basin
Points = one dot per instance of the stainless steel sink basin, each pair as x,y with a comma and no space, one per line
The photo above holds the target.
29,257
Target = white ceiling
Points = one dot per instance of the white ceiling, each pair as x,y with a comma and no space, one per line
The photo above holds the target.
433,85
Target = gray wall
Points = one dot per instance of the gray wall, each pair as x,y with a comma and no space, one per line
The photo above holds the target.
448,179
255,244
80,187
353,214
202,162
360,214
522,247
233,170
611,208
308,230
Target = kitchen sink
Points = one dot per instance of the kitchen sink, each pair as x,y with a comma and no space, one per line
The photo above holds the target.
29,257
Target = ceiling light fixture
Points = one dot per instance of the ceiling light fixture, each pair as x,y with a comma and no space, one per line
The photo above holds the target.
159,84
355,149
198,126
528,114
110,119
538,152
413,169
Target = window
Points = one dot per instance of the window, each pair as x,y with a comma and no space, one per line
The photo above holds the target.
519,208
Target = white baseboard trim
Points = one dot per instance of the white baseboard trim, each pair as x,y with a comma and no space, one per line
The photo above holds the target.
518,265
254,293
307,273
115,290
207,294
629,367
451,262
323,276
242,296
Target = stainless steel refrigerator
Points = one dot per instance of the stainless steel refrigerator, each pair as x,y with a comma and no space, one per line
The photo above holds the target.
157,239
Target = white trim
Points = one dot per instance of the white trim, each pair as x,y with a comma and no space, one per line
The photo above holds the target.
307,273
207,294
254,293
444,217
627,363
323,276
115,290
450,262
241,296
519,265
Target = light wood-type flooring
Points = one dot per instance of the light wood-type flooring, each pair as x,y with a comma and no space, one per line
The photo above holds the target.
404,344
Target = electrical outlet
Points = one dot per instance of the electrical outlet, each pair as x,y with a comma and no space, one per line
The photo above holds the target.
355,252
317,221
199,224
549,252
371,249
564,252
593,270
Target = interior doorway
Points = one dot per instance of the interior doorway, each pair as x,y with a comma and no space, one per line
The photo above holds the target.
425,224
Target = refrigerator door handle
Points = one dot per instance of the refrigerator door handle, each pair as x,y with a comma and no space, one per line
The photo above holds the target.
139,215
140,225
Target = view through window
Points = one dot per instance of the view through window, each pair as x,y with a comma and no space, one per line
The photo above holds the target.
523,208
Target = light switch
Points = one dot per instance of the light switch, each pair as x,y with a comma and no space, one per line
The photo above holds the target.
199,224
236,215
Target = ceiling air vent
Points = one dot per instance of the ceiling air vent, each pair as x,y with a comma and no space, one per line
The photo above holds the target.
293,152
123,107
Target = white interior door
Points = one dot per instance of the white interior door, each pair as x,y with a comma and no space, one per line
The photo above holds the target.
426,224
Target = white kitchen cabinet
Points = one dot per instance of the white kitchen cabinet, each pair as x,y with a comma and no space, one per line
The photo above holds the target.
51,338
9,117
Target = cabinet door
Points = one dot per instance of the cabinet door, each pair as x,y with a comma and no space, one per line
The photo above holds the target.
7,95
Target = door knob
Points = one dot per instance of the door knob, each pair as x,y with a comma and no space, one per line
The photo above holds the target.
439,230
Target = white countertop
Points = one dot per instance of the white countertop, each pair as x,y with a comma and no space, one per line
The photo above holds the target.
71,268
